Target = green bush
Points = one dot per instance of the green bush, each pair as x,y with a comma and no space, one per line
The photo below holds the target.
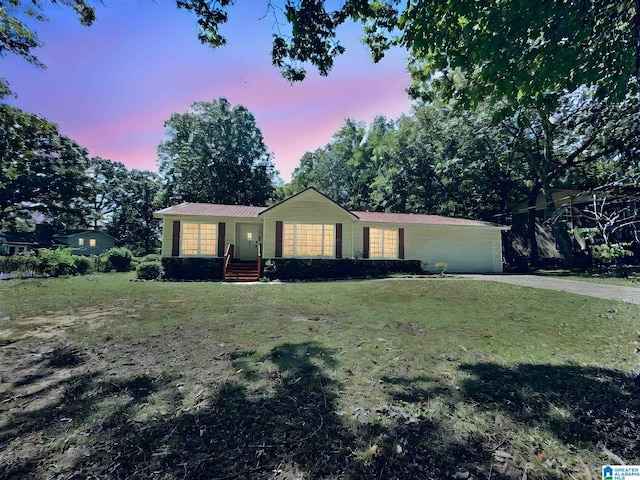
119,259
23,264
82,264
177,268
53,263
149,270
152,257
312,269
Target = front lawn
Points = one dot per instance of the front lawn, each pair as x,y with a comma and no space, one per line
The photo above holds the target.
409,379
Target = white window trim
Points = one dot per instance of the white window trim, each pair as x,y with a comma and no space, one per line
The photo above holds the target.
199,240
293,255
397,249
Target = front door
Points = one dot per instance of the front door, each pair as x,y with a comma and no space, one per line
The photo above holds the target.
248,240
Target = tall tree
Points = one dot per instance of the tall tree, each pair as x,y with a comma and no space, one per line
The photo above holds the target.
215,153
109,186
41,171
517,49
583,130
131,220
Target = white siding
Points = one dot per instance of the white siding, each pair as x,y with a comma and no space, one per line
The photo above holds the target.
465,249
307,207
167,228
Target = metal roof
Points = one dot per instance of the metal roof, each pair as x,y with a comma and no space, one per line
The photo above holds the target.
246,211
419,219
212,210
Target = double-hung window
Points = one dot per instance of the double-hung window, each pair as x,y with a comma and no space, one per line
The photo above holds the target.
383,243
198,239
309,240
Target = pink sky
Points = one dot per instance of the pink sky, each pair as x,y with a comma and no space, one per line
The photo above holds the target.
110,87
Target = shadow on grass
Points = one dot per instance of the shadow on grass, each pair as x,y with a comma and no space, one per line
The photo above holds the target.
577,404
282,421
289,427
588,406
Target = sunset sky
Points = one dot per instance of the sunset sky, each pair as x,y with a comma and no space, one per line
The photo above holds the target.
111,86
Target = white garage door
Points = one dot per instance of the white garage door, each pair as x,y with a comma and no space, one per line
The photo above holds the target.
463,256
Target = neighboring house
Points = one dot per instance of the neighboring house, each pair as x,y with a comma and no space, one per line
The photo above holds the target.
86,242
308,225
17,242
558,242
82,242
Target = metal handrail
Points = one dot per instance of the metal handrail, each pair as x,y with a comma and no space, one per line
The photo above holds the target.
228,255
259,259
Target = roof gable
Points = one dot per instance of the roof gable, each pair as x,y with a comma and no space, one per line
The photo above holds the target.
309,194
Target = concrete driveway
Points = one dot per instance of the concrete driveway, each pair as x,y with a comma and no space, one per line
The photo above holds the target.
599,290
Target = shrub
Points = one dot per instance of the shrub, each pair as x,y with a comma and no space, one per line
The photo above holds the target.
312,269
442,266
149,270
152,257
53,263
119,259
177,268
23,264
82,264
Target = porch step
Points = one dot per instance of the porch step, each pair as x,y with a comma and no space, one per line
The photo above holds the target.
242,272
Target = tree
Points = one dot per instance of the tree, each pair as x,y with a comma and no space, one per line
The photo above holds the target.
581,132
519,49
110,181
17,38
41,171
123,202
132,221
215,153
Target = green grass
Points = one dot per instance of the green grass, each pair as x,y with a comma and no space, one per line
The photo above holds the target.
308,380
632,281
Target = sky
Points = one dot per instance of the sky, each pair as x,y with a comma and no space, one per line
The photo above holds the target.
110,87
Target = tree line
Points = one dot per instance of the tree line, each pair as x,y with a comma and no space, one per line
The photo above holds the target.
478,162
212,153
439,159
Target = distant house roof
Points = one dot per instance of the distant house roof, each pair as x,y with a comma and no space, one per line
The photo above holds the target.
75,233
21,238
212,210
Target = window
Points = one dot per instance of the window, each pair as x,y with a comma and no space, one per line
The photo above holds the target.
92,242
80,242
198,238
308,240
383,243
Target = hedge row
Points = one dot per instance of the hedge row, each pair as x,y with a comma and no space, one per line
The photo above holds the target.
297,269
53,263
176,268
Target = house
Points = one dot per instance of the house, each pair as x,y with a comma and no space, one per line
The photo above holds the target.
309,226
85,242
17,242
557,224
82,242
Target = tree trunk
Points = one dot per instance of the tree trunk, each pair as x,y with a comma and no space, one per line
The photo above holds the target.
534,254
